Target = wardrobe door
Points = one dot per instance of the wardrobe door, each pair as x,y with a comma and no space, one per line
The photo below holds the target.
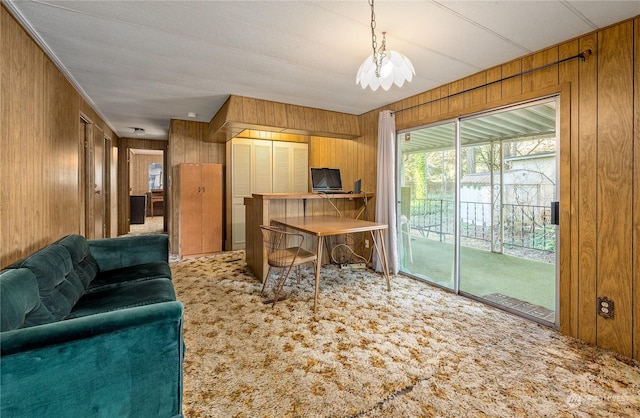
281,167
211,208
261,166
290,167
299,168
241,177
190,209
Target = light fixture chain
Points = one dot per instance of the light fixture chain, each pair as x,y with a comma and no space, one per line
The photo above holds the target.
394,72
377,59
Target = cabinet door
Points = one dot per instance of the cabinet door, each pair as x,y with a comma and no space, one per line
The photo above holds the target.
299,168
290,167
261,166
281,167
240,188
190,209
211,208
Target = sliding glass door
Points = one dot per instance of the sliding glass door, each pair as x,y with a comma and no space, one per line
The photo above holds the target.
475,207
507,188
427,203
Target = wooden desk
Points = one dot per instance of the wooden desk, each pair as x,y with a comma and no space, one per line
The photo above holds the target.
323,226
260,209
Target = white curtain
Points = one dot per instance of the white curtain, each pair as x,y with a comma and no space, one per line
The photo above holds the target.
386,189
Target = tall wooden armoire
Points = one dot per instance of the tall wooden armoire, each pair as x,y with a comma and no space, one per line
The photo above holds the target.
198,193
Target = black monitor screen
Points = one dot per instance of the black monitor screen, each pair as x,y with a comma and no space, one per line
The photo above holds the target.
326,179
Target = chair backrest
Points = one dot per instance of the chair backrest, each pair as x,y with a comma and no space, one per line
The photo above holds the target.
277,238
282,246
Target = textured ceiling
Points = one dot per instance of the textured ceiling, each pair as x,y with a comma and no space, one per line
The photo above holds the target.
142,63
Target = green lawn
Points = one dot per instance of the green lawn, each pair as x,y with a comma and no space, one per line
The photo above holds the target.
483,272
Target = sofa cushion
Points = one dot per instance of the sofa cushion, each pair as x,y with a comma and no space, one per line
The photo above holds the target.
115,253
20,304
59,285
125,296
83,262
124,275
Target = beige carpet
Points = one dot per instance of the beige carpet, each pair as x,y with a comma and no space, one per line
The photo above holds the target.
151,225
416,351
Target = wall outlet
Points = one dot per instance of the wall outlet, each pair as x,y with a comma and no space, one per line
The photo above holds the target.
366,243
605,307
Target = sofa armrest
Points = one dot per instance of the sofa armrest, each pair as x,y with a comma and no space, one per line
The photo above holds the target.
121,363
113,253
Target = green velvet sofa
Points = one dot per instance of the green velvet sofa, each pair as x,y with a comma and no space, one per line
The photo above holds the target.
91,328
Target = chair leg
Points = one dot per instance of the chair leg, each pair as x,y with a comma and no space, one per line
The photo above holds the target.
281,280
266,280
280,284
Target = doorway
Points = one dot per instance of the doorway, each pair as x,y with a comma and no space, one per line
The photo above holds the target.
147,198
93,174
477,199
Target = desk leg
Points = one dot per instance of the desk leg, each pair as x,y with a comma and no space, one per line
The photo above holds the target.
318,267
382,257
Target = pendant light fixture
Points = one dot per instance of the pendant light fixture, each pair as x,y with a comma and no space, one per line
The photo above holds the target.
383,68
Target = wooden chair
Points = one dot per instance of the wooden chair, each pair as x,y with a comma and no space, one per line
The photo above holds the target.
284,251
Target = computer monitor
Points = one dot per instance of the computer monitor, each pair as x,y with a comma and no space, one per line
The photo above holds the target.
326,180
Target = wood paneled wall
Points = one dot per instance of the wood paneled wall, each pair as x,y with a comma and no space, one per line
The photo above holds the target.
139,172
187,144
239,113
356,159
614,186
273,136
636,193
40,146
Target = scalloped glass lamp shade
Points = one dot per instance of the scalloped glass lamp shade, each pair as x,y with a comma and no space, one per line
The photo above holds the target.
395,68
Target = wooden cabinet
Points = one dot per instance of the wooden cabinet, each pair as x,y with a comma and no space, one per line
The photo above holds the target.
260,166
198,196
